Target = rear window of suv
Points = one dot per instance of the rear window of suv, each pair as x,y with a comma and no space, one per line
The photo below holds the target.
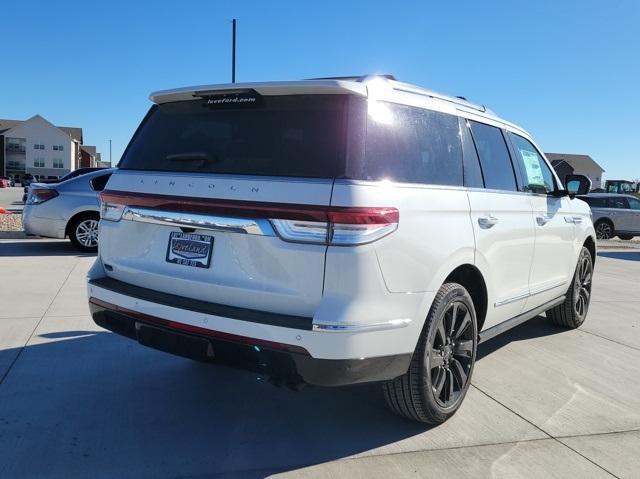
286,135
412,145
321,136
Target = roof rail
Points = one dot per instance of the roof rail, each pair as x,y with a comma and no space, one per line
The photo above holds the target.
458,100
416,90
358,78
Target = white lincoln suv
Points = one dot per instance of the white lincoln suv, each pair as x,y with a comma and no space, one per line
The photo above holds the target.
337,231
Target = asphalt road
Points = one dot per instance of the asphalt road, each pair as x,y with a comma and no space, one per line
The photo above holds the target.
76,401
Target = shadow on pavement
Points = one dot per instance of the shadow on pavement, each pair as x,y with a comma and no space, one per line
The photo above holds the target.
102,405
537,327
626,255
94,404
40,247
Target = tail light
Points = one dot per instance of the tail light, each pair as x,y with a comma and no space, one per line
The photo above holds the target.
40,195
328,225
108,210
343,226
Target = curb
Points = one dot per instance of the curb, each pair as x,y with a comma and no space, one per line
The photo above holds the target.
12,235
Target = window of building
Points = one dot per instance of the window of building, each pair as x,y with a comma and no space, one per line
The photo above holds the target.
58,163
38,146
538,177
15,145
38,162
497,168
58,147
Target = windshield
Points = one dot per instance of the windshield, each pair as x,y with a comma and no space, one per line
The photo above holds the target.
301,135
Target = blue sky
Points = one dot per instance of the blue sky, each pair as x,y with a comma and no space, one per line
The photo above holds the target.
567,71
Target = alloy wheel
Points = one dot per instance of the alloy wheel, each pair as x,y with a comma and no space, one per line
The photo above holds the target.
87,233
582,286
604,231
451,354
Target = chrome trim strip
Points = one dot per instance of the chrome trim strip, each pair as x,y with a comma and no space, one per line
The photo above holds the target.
532,292
517,320
360,327
199,221
542,289
518,297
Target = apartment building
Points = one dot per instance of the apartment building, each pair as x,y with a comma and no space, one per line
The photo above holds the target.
38,147
89,157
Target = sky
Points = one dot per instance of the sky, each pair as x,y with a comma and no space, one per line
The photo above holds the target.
567,71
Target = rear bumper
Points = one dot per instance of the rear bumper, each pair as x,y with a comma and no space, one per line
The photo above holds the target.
286,362
47,227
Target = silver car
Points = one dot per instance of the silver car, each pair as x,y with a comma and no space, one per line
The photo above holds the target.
69,208
614,215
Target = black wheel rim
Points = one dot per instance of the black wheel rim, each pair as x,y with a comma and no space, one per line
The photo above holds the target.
451,355
603,231
582,286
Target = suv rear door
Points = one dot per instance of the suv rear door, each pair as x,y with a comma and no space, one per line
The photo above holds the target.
504,232
221,172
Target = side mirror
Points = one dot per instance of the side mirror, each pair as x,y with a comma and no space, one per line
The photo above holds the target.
577,184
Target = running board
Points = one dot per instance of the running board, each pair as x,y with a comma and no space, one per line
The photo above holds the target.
517,320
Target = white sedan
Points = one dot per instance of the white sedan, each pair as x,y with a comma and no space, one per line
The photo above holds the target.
70,208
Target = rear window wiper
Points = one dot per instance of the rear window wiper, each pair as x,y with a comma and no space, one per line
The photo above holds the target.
192,156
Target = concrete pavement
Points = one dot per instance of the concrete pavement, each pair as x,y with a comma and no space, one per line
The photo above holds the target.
11,198
76,401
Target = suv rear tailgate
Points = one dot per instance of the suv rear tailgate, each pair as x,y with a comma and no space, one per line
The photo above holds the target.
254,269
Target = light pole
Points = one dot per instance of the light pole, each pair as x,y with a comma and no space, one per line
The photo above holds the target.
233,51
110,164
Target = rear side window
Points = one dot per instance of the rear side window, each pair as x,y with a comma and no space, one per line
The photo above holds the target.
595,202
285,135
619,202
537,176
99,182
634,204
413,145
497,168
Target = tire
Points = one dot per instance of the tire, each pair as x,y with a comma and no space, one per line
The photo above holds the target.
83,232
604,229
572,313
626,237
441,362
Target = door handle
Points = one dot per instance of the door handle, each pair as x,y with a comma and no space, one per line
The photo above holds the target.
577,220
487,222
542,220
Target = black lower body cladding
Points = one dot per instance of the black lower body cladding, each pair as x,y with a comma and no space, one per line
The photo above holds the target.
290,364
